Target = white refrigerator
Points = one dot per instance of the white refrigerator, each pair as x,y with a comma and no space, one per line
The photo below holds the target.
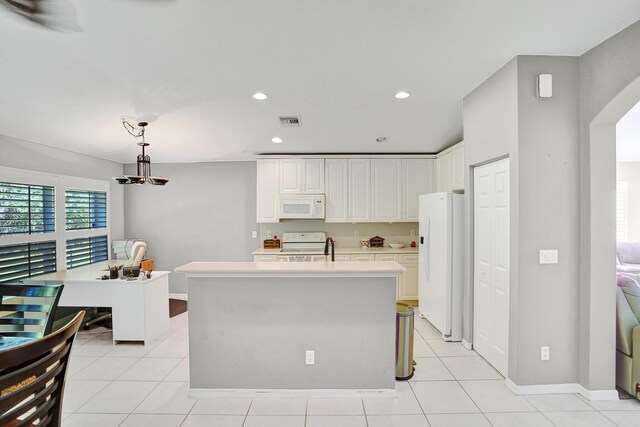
440,268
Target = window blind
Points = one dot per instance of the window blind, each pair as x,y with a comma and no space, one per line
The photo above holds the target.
86,250
26,209
621,210
24,260
85,209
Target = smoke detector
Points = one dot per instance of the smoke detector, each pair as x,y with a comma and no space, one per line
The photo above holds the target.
290,121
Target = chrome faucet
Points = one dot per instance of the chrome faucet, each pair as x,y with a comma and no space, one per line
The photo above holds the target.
333,248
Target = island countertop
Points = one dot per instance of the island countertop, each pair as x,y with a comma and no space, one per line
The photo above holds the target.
360,269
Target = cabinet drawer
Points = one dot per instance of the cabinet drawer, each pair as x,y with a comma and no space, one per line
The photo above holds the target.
342,258
265,258
408,257
362,257
386,257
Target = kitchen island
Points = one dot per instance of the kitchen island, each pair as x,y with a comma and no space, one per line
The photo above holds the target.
282,329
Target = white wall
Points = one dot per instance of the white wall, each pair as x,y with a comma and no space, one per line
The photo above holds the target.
205,213
20,154
630,172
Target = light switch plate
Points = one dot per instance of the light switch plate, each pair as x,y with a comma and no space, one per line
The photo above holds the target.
548,256
544,353
254,234
310,357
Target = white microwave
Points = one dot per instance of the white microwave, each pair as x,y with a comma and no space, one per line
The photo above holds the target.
302,206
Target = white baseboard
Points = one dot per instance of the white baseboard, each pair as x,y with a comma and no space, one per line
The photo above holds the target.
290,393
571,388
598,394
467,344
183,297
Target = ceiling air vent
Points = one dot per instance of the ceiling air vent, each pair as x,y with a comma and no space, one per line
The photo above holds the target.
290,121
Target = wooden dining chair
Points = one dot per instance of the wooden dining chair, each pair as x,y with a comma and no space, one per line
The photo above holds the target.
32,378
28,310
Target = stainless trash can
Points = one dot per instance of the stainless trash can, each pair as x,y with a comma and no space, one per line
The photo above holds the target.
404,341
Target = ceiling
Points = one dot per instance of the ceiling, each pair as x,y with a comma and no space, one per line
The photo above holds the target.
190,68
628,136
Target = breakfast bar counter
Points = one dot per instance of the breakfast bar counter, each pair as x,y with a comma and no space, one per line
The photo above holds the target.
292,328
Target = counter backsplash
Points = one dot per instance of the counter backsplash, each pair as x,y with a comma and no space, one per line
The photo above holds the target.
344,233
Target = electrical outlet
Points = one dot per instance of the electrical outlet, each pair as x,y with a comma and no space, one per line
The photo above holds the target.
310,357
269,234
413,233
254,234
544,353
356,233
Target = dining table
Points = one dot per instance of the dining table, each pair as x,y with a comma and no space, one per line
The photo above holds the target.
7,342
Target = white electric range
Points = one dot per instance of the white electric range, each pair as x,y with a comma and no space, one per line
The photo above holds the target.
310,245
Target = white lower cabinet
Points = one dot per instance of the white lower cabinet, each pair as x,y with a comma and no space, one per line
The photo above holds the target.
362,257
408,281
407,286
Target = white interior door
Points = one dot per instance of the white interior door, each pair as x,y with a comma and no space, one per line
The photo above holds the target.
491,263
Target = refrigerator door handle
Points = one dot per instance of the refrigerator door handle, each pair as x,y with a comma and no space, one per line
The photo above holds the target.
427,255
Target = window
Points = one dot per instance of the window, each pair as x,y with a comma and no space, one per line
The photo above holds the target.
621,210
86,250
26,209
24,260
85,209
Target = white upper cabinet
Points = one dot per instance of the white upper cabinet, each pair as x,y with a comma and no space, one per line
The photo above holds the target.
451,169
444,172
336,190
359,190
386,190
313,176
457,168
268,190
302,176
418,177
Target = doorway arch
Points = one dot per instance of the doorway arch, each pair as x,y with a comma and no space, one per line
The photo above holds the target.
597,294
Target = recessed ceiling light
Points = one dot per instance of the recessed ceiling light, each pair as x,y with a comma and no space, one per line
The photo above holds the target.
402,95
259,96
277,140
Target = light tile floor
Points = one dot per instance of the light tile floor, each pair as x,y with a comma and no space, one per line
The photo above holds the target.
136,385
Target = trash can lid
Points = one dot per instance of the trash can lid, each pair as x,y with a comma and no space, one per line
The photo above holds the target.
403,309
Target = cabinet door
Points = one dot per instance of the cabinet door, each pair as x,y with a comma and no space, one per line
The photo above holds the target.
267,190
408,285
418,177
265,258
359,190
457,169
336,190
386,257
290,176
444,172
313,174
362,257
386,190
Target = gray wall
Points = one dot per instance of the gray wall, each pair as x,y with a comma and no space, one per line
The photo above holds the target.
504,117
490,115
20,154
205,213
607,73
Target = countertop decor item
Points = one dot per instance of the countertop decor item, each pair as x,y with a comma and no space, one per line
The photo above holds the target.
272,243
376,242
398,245
143,160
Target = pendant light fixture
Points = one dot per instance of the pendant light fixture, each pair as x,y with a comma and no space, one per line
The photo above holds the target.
143,160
